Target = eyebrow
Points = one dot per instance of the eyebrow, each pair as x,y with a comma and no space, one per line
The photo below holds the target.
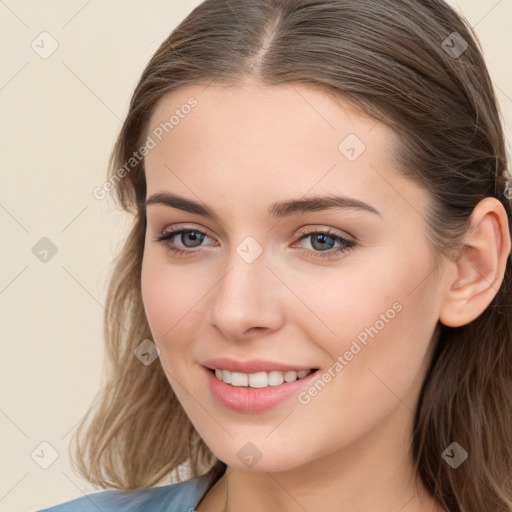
277,210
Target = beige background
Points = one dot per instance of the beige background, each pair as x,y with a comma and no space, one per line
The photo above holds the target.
59,118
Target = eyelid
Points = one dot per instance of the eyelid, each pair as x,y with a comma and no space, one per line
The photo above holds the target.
302,231
185,227
313,228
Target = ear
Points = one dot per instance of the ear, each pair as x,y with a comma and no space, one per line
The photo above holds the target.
480,266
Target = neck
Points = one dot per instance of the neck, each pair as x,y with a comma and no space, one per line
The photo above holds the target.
355,476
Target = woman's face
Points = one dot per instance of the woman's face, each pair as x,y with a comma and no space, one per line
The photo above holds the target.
255,282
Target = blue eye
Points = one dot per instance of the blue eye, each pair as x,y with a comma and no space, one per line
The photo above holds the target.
170,245
320,239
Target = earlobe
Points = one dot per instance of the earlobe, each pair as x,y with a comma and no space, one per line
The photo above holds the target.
480,267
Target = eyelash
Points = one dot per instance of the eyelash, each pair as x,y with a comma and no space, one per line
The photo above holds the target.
327,255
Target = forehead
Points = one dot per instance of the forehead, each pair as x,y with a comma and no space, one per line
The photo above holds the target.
239,113
270,142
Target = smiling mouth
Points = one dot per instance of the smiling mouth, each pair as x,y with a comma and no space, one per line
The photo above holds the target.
260,379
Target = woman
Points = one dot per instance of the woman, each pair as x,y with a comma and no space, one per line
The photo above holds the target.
312,308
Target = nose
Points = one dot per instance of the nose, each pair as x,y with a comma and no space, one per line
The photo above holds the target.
246,300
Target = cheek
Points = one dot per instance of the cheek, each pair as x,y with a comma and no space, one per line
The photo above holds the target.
379,321
154,296
172,298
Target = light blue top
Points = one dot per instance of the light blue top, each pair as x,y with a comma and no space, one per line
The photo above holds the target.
179,497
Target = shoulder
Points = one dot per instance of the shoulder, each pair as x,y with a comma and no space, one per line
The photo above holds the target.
182,497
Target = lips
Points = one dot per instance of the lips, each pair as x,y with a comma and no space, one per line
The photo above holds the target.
253,400
253,365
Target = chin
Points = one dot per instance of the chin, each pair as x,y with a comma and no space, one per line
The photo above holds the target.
259,457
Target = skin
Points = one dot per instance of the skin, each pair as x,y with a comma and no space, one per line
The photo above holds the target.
241,149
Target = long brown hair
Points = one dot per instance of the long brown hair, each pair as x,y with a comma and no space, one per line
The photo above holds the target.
415,65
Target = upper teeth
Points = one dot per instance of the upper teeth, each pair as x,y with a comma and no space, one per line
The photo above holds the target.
260,379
